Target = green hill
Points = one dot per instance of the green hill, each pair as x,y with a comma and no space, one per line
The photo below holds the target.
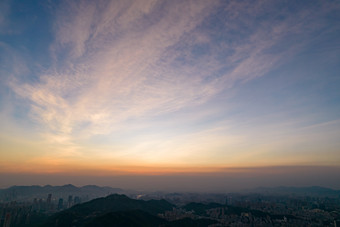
118,210
126,219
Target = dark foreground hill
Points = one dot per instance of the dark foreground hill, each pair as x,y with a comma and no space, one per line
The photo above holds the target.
118,202
119,210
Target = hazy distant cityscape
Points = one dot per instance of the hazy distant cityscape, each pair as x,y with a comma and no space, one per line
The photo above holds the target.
91,205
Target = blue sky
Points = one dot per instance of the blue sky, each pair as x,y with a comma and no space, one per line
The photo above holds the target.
161,87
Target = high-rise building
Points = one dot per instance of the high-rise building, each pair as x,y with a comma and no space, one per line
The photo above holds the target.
69,201
48,202
49,198
76,200
40,204
61,204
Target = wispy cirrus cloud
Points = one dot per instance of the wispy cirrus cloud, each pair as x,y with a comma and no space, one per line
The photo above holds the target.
116,61
112,78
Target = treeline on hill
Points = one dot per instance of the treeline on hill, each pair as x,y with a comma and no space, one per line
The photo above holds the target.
120,210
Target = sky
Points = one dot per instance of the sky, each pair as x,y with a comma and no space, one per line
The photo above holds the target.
241,92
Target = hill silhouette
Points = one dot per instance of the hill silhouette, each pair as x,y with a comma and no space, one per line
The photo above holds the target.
118,202
111,209
126,219
118,210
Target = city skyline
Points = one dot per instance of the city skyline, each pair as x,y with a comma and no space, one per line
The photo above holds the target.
219,90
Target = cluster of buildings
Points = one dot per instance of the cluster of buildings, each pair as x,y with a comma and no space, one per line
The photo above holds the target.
53,205
176,214
231,209
25,213
250,218
257,210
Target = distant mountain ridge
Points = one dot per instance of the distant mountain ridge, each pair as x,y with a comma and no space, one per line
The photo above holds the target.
302,191
21,193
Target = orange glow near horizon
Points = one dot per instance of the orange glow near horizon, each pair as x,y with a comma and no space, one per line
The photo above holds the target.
91,169
162,88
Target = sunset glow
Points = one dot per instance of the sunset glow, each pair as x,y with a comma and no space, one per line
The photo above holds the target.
111,88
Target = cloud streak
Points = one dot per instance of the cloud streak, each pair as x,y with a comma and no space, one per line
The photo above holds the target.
116,62
112,80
